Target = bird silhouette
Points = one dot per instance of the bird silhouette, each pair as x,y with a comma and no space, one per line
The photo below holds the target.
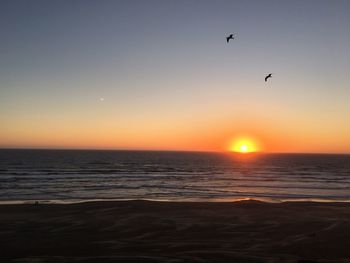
268,76
229,37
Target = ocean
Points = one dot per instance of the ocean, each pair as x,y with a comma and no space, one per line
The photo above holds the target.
81,175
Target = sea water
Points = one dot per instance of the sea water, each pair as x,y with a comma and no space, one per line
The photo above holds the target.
78,175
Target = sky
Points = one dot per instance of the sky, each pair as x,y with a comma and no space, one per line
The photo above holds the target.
159,75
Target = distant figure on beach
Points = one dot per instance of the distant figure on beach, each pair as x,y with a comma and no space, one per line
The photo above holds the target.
268,76
229,37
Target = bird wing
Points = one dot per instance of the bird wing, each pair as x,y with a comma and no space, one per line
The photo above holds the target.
266,78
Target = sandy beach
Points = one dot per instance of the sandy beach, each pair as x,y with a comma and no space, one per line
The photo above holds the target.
147,231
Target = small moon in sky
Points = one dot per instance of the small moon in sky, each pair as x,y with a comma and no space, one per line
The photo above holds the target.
102,99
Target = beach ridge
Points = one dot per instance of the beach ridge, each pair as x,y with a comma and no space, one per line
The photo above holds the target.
149,231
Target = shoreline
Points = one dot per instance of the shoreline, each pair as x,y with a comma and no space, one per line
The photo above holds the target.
222,200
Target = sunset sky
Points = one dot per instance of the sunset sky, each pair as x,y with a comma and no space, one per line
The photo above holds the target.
159,74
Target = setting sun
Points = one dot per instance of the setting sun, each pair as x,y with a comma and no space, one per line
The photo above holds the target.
244,148
243,145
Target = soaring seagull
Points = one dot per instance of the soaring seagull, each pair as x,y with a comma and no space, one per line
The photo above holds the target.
229,37
268,76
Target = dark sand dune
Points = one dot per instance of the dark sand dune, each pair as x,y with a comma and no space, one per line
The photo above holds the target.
142,231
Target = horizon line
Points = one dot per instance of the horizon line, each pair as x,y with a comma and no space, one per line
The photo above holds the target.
162,150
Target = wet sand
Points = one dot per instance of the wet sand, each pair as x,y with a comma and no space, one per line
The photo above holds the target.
145,231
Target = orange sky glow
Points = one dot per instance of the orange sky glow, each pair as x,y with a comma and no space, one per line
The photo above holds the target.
167,136
81,77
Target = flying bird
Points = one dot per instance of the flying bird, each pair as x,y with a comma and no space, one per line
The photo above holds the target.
229,37
268,76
